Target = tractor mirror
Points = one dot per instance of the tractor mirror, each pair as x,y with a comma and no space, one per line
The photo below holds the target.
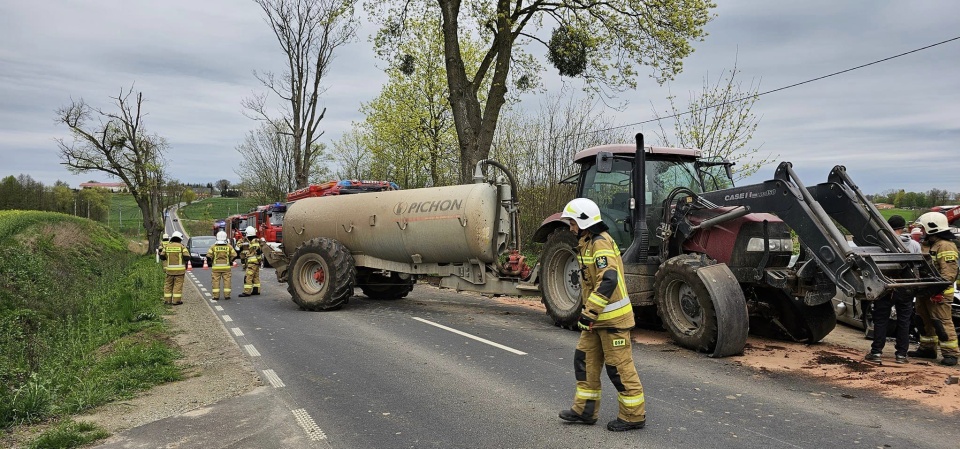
604,162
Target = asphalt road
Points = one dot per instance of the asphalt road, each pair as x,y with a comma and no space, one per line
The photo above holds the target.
414,373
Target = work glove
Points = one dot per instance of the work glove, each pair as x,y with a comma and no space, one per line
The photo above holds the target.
585,323
938,298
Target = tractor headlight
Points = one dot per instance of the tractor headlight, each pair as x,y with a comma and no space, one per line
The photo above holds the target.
776,245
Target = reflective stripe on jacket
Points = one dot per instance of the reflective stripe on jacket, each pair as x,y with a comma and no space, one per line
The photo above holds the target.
604,292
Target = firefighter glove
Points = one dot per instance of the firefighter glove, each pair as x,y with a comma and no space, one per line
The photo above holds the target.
585,323
938,298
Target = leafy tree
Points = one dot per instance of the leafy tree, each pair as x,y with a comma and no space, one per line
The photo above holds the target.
189,196
11,193
93,204
117,143
63,198
601,42
351,155
308,32
720,122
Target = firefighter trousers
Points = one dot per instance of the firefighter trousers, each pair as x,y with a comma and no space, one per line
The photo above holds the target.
173,289
937,323
221,278
251,279
608,348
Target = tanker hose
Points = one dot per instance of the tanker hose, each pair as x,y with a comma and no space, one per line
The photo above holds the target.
515,200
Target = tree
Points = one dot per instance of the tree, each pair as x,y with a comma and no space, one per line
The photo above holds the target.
117,143
266,167
600,42
63,198
189,196
351,155
718,120
222,186
308,32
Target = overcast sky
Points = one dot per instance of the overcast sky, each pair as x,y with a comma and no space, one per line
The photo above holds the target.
893,125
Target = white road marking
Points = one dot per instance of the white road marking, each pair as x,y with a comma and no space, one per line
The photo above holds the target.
236,331
252,351
481,340
309,426
227,318
273,378
203,289
218,308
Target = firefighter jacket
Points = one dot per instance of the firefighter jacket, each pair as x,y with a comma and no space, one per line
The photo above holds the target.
604,290
944,254
220,256
174,256
251,252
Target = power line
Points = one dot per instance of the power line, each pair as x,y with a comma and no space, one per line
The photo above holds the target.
737,100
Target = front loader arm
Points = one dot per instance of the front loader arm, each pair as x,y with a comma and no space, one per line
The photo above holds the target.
879,264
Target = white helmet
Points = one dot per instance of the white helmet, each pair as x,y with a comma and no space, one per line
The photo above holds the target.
933,222
176,235
250,231
582,210
165,237
221,237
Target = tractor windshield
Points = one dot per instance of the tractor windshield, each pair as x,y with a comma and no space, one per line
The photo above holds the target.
613,191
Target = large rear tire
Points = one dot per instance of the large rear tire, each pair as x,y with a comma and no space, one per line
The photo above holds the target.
321,275
560,278
684,303
378,286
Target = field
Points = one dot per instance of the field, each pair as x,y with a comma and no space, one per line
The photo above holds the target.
197,218
125,216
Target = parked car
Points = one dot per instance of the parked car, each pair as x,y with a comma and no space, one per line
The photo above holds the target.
198,246
857,314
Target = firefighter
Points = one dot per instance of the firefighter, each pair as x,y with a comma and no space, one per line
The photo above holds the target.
220,256
938,327
251,262
174,256
605,322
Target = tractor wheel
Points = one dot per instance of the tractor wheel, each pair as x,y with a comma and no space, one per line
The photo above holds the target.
795,320
560,278
684,304
378,286
321,275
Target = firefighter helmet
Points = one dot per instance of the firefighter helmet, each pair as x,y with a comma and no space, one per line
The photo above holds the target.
165,237
176,235
250,231
933,222
221,237
582,210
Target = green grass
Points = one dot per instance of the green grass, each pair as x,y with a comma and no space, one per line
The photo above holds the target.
907,214
125,216
80,319
68,434
198,218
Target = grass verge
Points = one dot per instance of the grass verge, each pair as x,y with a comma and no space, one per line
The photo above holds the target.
80,322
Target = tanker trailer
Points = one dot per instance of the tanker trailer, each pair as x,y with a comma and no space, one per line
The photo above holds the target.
383,241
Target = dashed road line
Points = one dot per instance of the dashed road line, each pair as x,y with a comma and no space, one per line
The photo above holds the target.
308,425
236,331
227,318
218,308
251,350
273,378
474,337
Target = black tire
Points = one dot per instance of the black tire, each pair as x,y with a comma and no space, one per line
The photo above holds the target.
378,286
800,322
321,275
684,303
560,278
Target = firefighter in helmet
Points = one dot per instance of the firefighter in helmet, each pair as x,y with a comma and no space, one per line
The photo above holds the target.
605,322
938,328
250,257
174,256
220,256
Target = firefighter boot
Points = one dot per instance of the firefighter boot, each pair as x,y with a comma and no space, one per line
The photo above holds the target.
244,295
949,360
619,425
574,417
923,353
256,290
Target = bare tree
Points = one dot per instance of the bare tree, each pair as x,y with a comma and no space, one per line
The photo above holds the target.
720,122
116,143
308,32
223,185
266,167
352,156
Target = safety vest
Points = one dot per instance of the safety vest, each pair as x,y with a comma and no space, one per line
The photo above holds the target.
221,254
253,252
599,256
944,254
175,262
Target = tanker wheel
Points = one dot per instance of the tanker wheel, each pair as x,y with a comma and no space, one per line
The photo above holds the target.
378,286
794,320
684,303
321,275
560,278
